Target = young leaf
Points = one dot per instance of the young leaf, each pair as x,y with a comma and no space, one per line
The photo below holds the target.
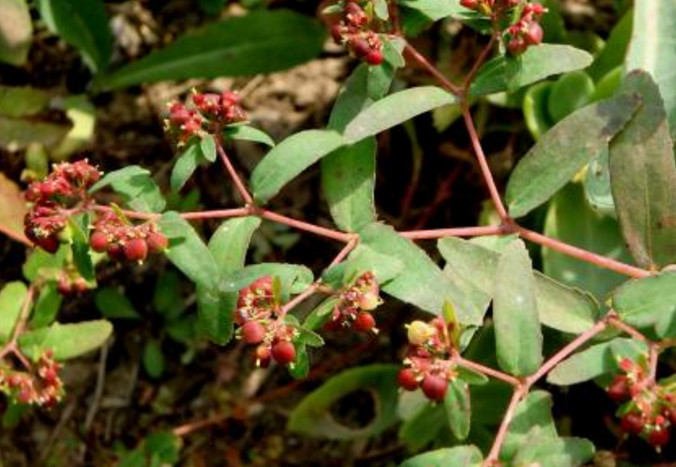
348,178
83,25
643,177
570,220
260,42
518,337
458,410
564,150
395,109
12,298
312,417
421,282
459,456
16,31
46,307
506,73
153,359
289,158
66,340
352,99
208,147
113,304
79,226
230,242
615,49
186,165
559,307
541,449
137,187
187,251
652,49
248,133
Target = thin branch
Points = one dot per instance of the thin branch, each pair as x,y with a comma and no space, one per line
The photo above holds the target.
16,236
248,199
519,393
315,229
454,232
480,61
479,368
432,70
618,324
188,428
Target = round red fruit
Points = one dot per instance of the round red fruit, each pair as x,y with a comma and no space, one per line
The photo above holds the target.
98,241
136,249
471,4
374,57
283,352
115,251
407,380
618,389
632,423
157,242
434,387
534,34
364,322
263,356
50,244
517,46
253,332
659,437
360,47
64,287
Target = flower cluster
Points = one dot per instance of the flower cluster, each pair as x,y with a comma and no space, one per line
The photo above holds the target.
124,241
356,303
65,187
39,386
526,31
353,30
648,409
261,324
427,364
208,113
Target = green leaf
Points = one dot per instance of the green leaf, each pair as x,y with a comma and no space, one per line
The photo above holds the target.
541,449
352,99
653,48
22,101
294,278
186,165
615,49
216,313
321,313
312,417
506,73
187,251
597,188
248,133
348,179
46,307
421,282
458,409
230,242
534,411
40,264
518,337
301,365
559,307
18,134
570,220
646,302
260,42
643,178
167,299
153,359
459,456
365,259
66,340
208,147
563,151
424,426
137,187
16,31
583,366
12,298
569,93
79,226
83,25
535,111
114,304
289,158
395,109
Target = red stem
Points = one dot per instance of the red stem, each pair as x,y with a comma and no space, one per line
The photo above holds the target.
480,61
315,229
519,393
432,70
248,199
479,368
454,232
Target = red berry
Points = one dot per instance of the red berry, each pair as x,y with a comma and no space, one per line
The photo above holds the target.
136,249
98,241
115,251
434,387
337,33
659,437
283,352
64,287
618,390
538,9
632,423
262,356
517,46
471,4
360,47
407,380
374,57
253,332
364,322
157,242
50,244
534,34
263,285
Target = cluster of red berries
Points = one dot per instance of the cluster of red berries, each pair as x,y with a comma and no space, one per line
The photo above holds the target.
649,409
208,113
522,34
258,315
353,30
122,240
39,386
427,364
66,186
356,303
71,283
